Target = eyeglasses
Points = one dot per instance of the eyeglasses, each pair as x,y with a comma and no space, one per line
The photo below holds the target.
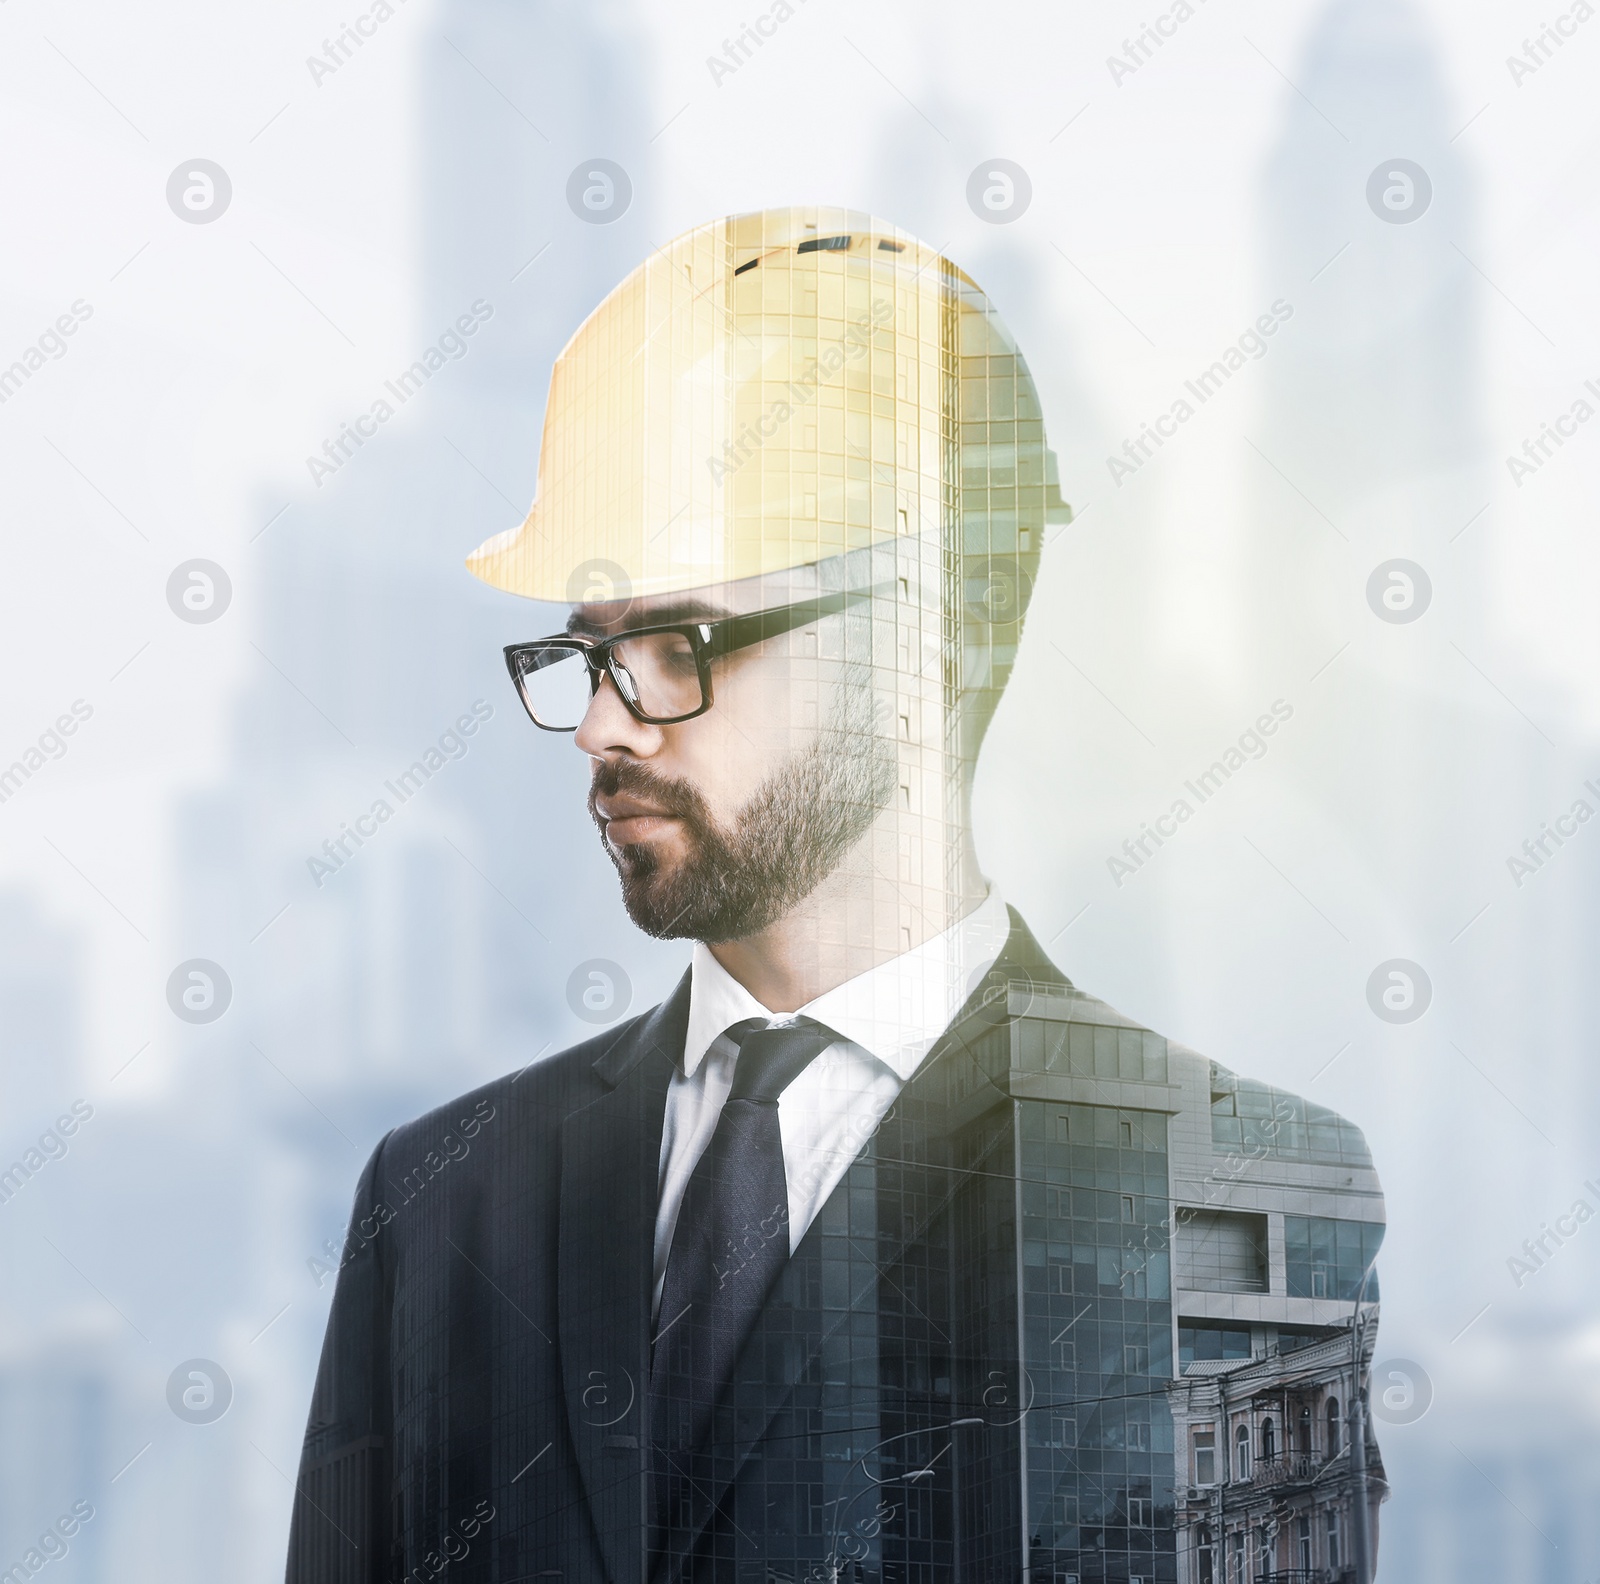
662,673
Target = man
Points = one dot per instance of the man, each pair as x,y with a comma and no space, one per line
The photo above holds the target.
744,1287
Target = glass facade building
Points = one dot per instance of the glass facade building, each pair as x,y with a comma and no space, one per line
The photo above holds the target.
1062,1299
1134,1218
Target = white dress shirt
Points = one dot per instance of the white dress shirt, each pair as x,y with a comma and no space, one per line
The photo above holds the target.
888,1019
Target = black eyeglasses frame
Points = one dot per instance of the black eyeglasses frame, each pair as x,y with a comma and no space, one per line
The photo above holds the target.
708,641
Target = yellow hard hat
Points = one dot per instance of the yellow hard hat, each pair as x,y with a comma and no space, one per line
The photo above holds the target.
764,392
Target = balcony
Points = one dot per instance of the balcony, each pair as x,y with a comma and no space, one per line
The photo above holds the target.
1283,1468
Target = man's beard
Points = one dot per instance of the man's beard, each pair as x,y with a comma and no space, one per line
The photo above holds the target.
783,843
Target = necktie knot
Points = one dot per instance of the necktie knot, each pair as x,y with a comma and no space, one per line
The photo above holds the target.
771,1058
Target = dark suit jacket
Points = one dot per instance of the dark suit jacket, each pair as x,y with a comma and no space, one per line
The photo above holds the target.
480,1402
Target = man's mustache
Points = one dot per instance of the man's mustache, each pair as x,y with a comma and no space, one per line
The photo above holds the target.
676,798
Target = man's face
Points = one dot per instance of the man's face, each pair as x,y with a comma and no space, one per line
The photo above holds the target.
720,824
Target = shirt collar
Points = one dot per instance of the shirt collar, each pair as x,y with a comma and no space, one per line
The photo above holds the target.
894,1011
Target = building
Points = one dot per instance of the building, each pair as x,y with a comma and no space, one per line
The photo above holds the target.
1278,1219
1192,1245
1268,1485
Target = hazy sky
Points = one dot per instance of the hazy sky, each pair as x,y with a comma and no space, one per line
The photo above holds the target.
208,360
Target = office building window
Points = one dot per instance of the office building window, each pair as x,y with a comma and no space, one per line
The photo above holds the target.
1253,1117
1085,1050
1292,1338
1098,1300
1221,1251
1326,1258
1212,1342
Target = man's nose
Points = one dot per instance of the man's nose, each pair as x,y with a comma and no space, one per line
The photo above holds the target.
608,726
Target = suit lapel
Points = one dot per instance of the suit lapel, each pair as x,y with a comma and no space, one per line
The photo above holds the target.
610,1160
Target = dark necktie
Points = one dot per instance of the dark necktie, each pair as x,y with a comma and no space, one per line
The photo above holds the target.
729,1247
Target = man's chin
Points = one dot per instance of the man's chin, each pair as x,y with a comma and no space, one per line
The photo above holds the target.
648,884
672,900
643,860
655,907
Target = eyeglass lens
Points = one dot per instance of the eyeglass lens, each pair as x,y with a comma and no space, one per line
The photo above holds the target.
656,673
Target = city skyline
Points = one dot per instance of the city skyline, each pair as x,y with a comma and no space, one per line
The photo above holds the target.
417,967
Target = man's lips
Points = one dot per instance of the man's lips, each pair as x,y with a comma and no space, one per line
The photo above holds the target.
629,820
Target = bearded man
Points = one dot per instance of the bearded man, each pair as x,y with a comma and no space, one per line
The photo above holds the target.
769,1282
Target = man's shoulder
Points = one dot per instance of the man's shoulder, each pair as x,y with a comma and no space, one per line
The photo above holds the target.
540,1095
1230,1116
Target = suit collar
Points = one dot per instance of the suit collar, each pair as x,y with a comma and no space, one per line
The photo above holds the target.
660,1031
894,1011
663,1029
